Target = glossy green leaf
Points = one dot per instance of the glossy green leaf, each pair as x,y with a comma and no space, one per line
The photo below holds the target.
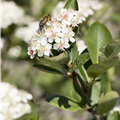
95,93
82,59
114,116
107,102
71,4
62,59
97,69
62,102
105,84
47,69
97,37
74,53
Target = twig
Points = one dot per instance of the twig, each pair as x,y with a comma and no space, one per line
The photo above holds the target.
101,118
74,75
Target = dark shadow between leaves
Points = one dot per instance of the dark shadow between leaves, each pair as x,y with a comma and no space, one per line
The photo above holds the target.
62,100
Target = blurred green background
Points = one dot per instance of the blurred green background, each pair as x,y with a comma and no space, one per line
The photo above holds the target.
18,69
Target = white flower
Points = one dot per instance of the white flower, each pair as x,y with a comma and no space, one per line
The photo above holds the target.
72,39
59,6
86,10
44,49
81,45
61,44
23,96
11,13
64,13
25,32
119,55
95,4
14,102
85,6
2,41
15,51
52,37
31,52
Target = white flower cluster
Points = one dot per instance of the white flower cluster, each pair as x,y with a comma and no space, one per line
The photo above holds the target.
56,34
14,102
25,32
87,7
11,13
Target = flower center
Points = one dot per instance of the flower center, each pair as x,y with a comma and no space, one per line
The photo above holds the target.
31,52
43,48
53,35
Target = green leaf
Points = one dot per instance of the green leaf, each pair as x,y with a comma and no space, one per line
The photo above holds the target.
74,53
74,94
95,93
108,49
114,116
92,83
105,84
75,30
62,102
97,69
116,50
71,4
97,37
111,50
62,59
83,72
77,91
82,111
107,102
102,58
87,64
47,69
82,81
82,59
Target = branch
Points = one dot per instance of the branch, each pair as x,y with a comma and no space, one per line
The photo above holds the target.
74,75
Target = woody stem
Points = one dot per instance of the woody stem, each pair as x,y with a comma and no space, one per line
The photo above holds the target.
74,75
